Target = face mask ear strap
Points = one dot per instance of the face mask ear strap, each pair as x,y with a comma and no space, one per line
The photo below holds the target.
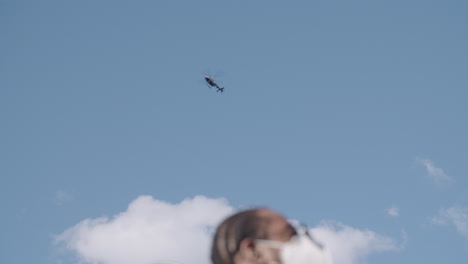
270,243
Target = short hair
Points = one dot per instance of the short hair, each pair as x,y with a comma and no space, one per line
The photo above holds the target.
234,229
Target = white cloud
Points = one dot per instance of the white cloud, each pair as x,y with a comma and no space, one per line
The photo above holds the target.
393,211
151,231
350,245
456,216
437,175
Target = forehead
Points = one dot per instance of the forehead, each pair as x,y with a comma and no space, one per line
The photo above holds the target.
277,228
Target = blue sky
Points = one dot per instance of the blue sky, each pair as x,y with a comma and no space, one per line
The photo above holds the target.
333,111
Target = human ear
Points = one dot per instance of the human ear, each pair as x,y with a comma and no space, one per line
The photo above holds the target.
247,250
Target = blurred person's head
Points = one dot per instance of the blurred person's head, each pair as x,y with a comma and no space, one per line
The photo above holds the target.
262,236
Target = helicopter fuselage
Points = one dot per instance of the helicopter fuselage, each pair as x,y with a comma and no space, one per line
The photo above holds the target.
211,82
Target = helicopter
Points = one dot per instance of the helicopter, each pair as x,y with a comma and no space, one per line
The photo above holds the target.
212,83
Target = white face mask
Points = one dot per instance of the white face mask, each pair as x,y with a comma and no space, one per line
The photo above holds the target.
301,249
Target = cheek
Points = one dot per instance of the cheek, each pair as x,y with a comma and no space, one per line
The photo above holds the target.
269,256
